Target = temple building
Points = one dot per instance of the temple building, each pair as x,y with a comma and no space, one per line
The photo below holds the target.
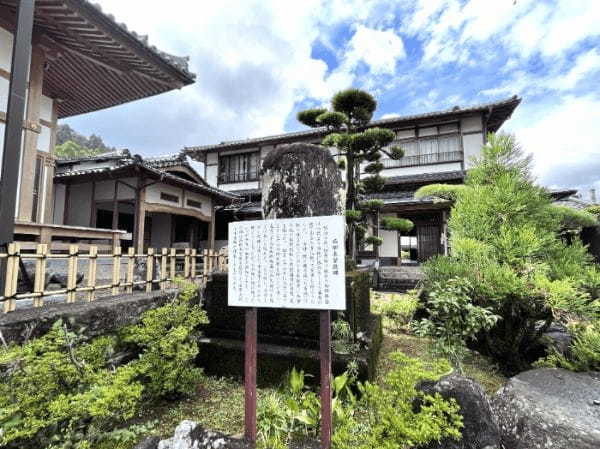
82,60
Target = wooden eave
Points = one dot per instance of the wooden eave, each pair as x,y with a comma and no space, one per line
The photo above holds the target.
92,61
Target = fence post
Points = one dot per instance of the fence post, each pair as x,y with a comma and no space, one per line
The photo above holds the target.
72,273
186,263
205,266
40,275
130,266
116,277
193,265
92,263
149,269
12,273
173,267
163,268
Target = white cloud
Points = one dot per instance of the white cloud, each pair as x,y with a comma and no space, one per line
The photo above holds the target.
564,139
585,64
379,49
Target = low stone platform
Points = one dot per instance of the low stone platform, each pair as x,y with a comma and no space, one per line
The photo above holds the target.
399,279
98,317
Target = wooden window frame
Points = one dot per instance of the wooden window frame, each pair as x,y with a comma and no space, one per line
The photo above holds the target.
235,168
164,196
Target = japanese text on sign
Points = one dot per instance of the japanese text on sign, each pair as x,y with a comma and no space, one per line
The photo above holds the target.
295,263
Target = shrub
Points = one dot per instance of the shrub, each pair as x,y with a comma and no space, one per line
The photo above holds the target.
165,339
583,355
507,241
398,310
394,415
65,392
453,318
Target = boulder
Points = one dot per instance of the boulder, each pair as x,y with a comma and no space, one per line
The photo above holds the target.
480,430
148,443
557,337
549,408
190,435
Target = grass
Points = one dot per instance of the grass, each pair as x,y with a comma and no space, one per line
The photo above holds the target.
218,403
397,337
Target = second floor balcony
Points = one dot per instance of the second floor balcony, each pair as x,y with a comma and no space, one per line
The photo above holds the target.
423,159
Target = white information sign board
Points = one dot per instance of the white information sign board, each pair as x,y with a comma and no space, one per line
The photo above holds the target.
296,263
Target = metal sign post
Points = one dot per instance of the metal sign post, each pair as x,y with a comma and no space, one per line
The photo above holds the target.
15,113
293,263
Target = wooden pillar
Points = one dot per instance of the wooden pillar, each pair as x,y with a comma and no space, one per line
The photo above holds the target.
34,99
250,374
140,217
115,215
211,230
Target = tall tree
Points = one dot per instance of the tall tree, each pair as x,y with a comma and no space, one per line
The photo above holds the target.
356,143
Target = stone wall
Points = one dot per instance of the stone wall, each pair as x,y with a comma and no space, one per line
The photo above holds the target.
98,317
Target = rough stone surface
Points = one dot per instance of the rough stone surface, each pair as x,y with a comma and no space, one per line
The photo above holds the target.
148,443
190,435
301,180
98,317
550,408
557,337
480,430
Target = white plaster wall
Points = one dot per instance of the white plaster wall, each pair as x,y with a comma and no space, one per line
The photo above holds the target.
46,108
403,171
6,46
389,247
161,231
59,203
240,186
471,124
4,85
80,197
472,144
153,194
211,176
126,192
206,208
44,139
105,190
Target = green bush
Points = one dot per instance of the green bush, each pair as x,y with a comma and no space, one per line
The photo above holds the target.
507,241
63,391
453,319
167,345
394,415
584,353
398,310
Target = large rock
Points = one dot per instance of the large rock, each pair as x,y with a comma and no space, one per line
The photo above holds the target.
190,435
480,430
550,408
301,180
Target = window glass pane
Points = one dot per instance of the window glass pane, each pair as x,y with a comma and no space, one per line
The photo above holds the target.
410,148
428,146
449,144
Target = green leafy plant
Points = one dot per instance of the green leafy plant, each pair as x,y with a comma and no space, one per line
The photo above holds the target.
584,353
65,391
507,242
453,319
397,310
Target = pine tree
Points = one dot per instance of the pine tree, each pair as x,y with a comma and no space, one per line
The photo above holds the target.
347,125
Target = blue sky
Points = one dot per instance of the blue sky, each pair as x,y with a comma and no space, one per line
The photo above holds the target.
260,61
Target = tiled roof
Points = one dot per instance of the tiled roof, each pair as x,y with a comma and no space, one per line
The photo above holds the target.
179,63
426,177
161,175
498,111
110,155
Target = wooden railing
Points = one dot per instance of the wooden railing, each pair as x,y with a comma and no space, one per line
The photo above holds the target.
159,270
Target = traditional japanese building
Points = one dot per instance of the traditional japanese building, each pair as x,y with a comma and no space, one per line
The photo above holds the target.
439,148
160,201
82,60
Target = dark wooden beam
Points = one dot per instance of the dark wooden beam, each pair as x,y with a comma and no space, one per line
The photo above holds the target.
115,216
11,157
